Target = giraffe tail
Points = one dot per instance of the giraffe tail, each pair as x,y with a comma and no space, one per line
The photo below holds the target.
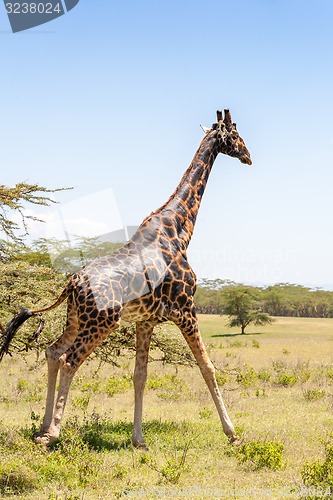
9,332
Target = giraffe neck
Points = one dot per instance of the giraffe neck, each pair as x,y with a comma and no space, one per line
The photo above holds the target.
183,205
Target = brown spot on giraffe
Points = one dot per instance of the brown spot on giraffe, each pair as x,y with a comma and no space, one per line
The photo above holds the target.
147,281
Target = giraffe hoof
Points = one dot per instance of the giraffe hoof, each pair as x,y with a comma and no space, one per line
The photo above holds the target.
43,439
141,446
236,440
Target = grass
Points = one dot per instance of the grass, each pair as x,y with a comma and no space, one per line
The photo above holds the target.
277,383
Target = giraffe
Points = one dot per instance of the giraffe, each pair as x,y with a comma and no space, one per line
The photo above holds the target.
147,281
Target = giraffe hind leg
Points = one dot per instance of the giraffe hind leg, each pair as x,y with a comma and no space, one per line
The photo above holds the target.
53,354
83,345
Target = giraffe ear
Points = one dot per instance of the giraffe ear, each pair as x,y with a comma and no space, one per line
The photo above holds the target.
205,129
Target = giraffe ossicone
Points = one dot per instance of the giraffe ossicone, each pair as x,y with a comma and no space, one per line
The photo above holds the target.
147,281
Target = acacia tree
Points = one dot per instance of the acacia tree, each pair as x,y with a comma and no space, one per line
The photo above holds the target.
39,285
22,282
13,200
241,304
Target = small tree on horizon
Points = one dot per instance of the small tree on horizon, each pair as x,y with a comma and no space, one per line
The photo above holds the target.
241,304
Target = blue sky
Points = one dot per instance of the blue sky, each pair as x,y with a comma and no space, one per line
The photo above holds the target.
109,97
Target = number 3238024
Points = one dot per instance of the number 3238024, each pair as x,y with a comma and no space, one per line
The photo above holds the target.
33,8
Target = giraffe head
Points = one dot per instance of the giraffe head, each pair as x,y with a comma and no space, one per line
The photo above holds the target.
229,141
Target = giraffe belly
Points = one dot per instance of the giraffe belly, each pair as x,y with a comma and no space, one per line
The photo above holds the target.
145,308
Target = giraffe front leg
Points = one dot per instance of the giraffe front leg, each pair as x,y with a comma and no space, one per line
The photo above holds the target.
188,325
143,335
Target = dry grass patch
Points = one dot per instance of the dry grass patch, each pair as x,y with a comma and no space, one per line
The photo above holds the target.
276,385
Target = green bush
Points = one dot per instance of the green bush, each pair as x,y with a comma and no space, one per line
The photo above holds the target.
117,385
319,473
267,454
168,387
17,478
205,412
286,379
264,375
163,382
246,376
221,378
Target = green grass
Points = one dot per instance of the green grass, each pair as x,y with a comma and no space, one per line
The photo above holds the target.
277,383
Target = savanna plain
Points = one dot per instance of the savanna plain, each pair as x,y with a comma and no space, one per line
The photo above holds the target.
277,383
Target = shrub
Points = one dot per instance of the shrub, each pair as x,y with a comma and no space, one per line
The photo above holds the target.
286,379
173,467
205,412
117,385
313,394
264,375
246,376
17,478
30,391
318,473
221,378
302,371
168,387
163,382
279,366
81,402
267,454
237,343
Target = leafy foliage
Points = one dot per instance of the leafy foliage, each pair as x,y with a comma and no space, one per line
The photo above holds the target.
58,254
320,473
69,259
12,200
24,284
267,454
